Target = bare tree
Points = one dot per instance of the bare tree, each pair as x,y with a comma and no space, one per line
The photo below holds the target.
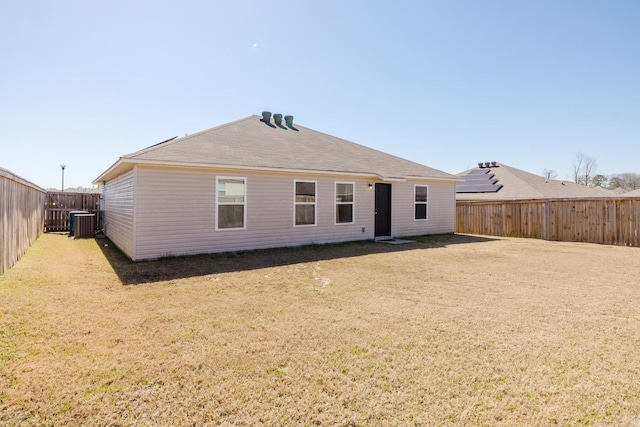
577,166
626,181
633,180
589,169
584,169
550,174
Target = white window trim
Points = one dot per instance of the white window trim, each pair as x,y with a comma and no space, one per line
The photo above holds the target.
315,204
420,203
352,203
244,219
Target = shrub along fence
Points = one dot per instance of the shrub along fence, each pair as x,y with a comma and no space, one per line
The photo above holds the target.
613,221
21,217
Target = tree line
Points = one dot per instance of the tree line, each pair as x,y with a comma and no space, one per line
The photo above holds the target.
584,172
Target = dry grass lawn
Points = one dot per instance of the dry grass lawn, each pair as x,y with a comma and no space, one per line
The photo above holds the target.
452,330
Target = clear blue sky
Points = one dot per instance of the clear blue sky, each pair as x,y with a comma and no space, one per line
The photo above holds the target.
443,83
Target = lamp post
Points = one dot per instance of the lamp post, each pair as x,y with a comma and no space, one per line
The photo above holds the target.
62,166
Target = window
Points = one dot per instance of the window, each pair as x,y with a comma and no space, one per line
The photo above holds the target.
344,202
421,201
231,201
305,203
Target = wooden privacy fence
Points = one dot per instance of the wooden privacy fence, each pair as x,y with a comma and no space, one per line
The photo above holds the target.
613,221
21,217
60,204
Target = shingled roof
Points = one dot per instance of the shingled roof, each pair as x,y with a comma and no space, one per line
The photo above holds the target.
509,183
252,143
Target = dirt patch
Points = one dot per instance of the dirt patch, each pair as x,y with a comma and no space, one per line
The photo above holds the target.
449,330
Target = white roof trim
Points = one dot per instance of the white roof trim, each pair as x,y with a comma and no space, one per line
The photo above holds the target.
132,162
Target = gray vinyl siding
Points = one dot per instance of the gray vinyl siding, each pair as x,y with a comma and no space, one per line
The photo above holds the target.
119,211
441,209
175,211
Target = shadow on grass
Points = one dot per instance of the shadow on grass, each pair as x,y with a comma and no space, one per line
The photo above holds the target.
171,268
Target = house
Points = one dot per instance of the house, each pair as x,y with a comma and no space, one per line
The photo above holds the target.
497,181
261,182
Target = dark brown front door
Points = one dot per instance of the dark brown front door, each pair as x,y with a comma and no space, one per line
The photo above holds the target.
383,210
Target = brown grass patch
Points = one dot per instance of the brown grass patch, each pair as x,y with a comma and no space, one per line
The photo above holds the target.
452,330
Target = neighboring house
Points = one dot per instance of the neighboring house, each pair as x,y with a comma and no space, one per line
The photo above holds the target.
497,181
634,193
260,183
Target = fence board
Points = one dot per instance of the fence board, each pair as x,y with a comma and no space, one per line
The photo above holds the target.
614,221
59,204
21,217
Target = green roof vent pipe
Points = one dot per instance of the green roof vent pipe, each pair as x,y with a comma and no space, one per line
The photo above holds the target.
266,116
289,121
277,118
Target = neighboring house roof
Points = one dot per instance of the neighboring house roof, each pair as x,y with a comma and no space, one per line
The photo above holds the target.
252,143
619,191
634,193
503,182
